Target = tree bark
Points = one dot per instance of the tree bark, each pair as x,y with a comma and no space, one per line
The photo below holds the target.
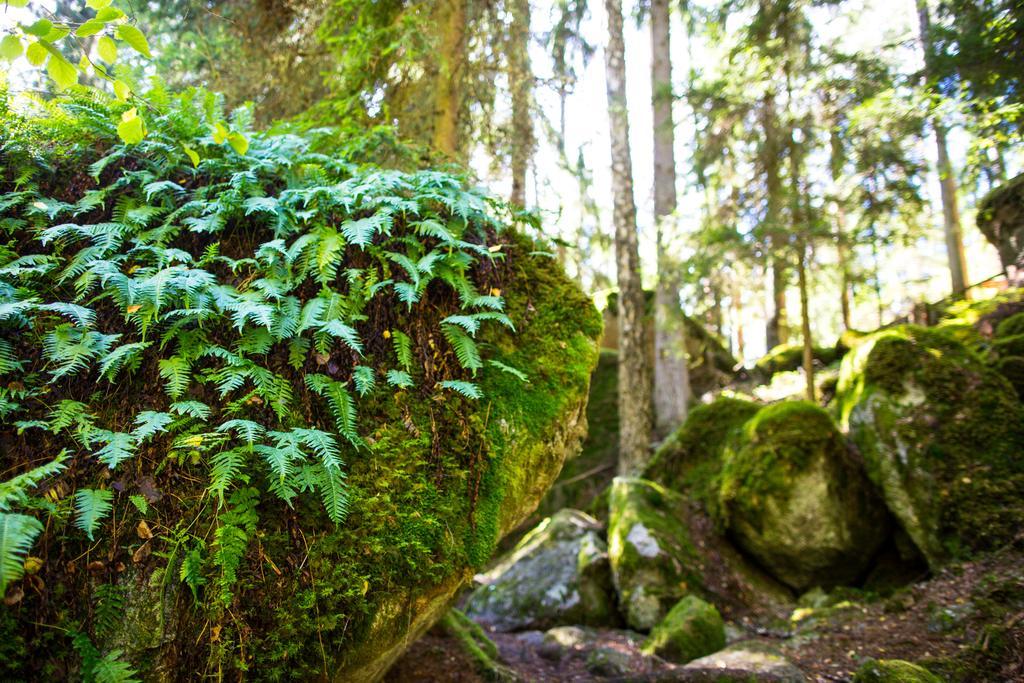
947,180
801,225
448,91
671,374
521,85
777,332
634,373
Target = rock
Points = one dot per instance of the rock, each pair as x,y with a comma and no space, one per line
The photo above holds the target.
691,457
691,629
788,357
794,496
1001,219
748,660
608,662
941,436
894,671
652,557
663,547
558,574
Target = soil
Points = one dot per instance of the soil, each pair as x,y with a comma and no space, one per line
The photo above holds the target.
947,616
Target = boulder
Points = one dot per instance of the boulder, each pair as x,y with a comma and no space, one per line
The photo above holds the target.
1001,220
941,435
558,574
745,661
795,497
691,629
663,547
894,671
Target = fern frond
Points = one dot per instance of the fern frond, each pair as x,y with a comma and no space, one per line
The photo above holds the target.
225,469
91,506
17,534
177,374
365,379
124,357
149,423
464,346
15,490
467,389
333,492
399,378
119,446
196,409
403,349
341,404
347,334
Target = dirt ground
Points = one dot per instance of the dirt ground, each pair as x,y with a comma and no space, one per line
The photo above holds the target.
971,614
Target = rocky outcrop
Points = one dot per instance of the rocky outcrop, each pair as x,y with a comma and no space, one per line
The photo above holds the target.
795,497
941,436
894,671
745,661
558,574
691,629
1001,220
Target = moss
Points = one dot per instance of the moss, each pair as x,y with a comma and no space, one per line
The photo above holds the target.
691,629
1012,369
795,497
789,357
941,435
894,671
690,459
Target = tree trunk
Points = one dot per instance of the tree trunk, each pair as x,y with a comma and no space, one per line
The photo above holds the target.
521,85
805,319
671,374
448,90
844,267
634,374
947,180
801,225
777,332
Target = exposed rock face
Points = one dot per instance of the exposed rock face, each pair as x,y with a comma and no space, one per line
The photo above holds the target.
746,661
1001,220
558,574
941,435
691,629
796,499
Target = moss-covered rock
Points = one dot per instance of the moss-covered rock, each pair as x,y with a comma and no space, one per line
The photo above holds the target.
691,629
795,497
789,357
941,435
663,547
1012,369
691,457
558,574
1010,326
894,671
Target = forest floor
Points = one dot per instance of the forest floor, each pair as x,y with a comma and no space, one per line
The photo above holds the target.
940,618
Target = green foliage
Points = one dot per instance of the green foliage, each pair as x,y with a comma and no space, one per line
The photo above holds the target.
91,506
17,533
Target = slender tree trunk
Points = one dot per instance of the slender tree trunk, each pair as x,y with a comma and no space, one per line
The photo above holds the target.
634,374
844,267
777,332
671,374
947,180
448,91
520,83
801,225
737,305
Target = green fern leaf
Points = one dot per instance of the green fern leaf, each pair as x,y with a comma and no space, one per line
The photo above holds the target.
149,423
333,492
119,447
92,506
347,334
177,373
403,349
519,374
399,378
467,389
196,409
17,533
464,346
365,379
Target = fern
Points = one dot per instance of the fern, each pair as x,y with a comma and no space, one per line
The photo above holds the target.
17,533
399,378
110,669
191,571
108,610
403,349
149,423
140,503
14,491
92,506
365,379
177,373
467,389
124,357
518,374
118,447
342,406
464,346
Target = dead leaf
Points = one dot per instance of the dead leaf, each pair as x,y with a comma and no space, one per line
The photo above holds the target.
33,564
142,553
96,566
14,596
215,634
143,531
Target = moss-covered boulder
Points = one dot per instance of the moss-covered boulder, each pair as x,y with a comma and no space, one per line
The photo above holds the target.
941,435
295,402
690,459
557,575
788,357
663,547
1001,220
691,629
894,671
795,497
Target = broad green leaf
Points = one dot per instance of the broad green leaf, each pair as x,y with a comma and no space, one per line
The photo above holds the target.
97,4
63,72
134,38
56,33
108,14
121,90
191,153
36,54
90,28
107,49
131,129
17,3
238,143
17,533
10,48
220,132
39,29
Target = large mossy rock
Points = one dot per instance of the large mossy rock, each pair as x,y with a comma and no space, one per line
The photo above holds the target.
557,575
691,629
663,547
232,284
894,671
941,435
744,662
795,497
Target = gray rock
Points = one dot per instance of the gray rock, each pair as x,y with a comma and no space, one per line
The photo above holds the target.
746,660
557,574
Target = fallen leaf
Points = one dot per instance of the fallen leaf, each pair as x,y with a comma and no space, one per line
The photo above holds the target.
143,531
33,564
142,553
